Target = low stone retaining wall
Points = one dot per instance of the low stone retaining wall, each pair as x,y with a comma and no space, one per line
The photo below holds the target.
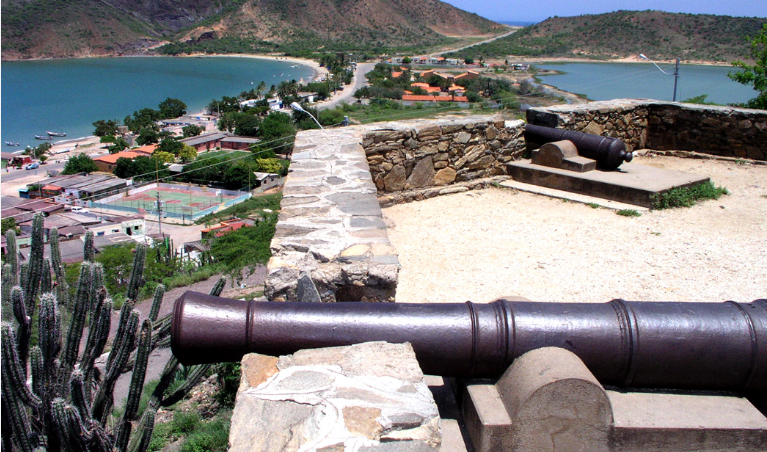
436,153
665,126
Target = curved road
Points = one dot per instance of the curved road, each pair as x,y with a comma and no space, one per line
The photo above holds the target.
347,94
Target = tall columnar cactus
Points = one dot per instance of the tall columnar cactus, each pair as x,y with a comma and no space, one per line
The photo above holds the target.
46,282
56,265
9,280
219,287
159,292
137,274
35,263
12,251
89,250
64,406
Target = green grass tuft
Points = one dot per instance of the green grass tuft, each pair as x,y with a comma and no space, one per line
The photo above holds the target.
687,196
628,213
593,205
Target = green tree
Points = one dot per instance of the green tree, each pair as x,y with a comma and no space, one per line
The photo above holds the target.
171,108
119,145
8,223
165,157
756,74
271,165
192,130
187,154
104,127
79,164
38,151
147,136
246,124
170,145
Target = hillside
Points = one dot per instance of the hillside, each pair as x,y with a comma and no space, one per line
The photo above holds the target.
628,33
66,28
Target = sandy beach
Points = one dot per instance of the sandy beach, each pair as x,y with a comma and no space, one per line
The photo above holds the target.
319,71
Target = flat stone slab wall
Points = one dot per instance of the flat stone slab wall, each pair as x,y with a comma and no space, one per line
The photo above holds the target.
665,126
365,397
331,242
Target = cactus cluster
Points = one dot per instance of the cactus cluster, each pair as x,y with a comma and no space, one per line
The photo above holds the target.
54,396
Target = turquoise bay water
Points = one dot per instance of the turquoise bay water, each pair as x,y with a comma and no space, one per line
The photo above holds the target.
69,95
603,81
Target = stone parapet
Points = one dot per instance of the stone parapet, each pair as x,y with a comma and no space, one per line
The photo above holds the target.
435,153
330,242
365,397
665,126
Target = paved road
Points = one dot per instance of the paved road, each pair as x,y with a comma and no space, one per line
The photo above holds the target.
347,95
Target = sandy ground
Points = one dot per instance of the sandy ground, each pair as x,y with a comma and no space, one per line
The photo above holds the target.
487,244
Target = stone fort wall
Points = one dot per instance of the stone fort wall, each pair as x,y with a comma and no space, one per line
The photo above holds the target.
665,126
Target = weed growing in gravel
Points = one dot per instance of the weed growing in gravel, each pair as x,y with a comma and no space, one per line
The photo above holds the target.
628,213
593,205
687,196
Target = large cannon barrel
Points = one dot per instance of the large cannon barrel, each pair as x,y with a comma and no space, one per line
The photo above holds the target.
712,346
609,153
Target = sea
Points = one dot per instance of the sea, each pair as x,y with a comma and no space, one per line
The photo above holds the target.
603,81
68,95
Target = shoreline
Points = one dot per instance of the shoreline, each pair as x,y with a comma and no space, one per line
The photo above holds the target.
629,60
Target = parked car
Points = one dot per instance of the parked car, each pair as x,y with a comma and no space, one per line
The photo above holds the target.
31,166
79,209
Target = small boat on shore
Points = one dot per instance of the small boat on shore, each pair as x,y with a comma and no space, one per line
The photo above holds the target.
43,137
56,134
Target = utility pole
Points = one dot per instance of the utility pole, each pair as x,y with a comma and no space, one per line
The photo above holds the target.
159,212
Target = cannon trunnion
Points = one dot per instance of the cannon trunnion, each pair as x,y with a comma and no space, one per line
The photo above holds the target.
712,346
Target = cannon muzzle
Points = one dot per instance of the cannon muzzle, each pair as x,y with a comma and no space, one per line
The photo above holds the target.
609,153
712,346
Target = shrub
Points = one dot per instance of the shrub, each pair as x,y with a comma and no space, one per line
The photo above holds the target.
687,196
628,213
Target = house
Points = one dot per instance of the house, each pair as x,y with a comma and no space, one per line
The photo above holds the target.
396,74
417,98
452,62
16,159
205,142
275,104
146,150
267,180
238,143
307,96
107,163
468,75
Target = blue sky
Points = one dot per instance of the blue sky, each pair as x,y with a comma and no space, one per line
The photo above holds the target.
538,10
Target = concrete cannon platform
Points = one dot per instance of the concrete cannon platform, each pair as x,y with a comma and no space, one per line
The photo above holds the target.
631,183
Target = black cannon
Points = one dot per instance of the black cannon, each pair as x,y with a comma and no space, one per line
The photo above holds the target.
609,153
712,346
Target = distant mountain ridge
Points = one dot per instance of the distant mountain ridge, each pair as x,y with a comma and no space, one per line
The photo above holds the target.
660,35
73,28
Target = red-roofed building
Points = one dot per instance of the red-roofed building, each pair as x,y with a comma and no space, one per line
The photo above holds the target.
433,89
469,75
417,98
107,163
396,74
420,85
223,228
145,150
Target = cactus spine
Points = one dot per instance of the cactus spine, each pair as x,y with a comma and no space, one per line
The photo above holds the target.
46,283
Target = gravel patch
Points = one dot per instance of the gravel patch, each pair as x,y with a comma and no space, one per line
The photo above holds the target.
491,243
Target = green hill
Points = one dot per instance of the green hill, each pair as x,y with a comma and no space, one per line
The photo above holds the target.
628,33
66,28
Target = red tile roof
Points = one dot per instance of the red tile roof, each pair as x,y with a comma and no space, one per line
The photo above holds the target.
414,97
112,158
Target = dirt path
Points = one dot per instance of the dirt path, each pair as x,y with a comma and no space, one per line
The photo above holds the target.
487,244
